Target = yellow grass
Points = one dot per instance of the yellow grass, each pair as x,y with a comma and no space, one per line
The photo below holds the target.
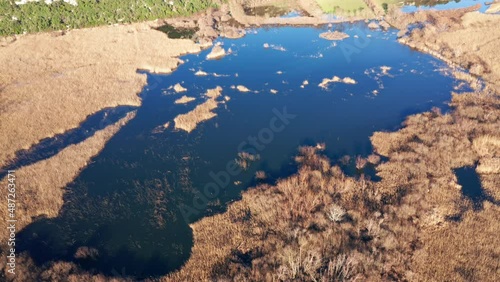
487,145
464,251
202,112
50,83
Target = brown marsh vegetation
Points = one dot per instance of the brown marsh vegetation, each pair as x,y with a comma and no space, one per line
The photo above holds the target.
202,112
42,191
334,35
321,225
184,100
326,81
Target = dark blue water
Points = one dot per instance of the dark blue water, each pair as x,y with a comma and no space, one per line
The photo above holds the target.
134,202
472,189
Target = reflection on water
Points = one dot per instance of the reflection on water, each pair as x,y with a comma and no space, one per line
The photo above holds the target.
273,11
130,208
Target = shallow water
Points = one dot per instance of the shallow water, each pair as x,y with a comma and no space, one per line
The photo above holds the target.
446,6
134,201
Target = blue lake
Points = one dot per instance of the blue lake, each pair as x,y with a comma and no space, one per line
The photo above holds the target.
133,203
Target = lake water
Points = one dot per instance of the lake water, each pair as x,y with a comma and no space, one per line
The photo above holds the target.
132,205
446,6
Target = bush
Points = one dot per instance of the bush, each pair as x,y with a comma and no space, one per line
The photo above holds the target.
385,6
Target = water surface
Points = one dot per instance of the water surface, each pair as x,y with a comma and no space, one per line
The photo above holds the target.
444,5
133,203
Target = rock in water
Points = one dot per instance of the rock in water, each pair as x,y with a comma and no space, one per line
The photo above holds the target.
178,88
216,53
373,25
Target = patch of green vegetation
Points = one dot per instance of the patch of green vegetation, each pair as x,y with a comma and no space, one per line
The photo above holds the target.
270,11
385,6
38,16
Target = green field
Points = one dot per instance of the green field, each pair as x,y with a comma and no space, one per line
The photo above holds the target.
350,6
38,16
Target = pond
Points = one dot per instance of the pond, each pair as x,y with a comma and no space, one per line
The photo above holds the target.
128,212
414,6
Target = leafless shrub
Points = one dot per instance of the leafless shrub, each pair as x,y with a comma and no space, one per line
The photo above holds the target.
339,268
336,213
260,174
373,159
360,162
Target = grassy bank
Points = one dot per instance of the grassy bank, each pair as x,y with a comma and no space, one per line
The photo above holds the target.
38,16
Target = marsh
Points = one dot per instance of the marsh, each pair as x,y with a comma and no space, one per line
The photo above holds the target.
129,203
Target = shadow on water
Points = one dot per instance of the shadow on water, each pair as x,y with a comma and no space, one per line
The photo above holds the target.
49,147
472,188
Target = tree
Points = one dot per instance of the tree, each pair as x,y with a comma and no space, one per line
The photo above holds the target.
385,6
